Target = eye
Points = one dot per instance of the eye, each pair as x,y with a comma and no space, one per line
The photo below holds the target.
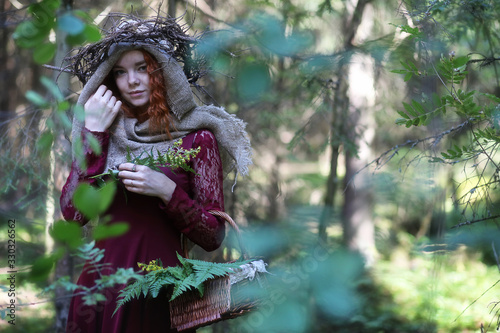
142,68
118,72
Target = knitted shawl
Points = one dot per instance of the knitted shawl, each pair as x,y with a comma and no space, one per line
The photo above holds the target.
127,134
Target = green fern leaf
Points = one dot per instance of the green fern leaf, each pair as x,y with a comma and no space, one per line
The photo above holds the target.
130,292
187,284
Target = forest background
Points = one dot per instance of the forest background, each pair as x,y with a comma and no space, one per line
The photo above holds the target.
374,126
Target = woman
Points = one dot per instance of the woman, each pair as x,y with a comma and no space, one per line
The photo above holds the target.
138,98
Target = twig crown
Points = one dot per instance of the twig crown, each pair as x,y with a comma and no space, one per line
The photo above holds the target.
165,33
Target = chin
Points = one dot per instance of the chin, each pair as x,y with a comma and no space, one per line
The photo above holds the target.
139,104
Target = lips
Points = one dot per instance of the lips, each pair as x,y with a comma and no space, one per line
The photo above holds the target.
136,93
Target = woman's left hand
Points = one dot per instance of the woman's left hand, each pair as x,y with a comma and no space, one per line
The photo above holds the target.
143,180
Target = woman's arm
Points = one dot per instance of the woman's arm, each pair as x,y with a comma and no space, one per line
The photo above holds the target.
187,211
101,110
190,214
95,165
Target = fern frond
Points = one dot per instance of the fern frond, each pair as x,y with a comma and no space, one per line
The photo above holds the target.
187,284
157,280
189,275
155,287
130,292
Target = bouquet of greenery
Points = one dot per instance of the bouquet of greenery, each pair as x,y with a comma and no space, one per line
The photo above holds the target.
175,157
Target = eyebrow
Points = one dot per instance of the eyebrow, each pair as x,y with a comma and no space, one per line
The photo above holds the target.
136,64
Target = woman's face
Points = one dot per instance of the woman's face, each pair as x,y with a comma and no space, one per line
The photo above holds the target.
132,78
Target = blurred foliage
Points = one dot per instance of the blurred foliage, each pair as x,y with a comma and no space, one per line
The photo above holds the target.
44,19
463,96
274,66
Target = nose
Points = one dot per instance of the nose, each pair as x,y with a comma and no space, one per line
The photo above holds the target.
133,79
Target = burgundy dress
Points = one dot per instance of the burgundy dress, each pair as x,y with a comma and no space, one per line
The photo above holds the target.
155,229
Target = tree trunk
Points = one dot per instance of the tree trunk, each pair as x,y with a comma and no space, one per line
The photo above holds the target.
59,156
332,182
4,72
357,211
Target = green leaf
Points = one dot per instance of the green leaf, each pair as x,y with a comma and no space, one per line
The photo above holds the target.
63,106
399,71
78,152
460,62
93,143
44,143
52,87
404,115
92,202
423,119
413,66
187,284
417,106
71,24
44,53
69,233
106,195
400,121
44,9
86,200
92,33
30,35
436,160
41,268
63,117
77,39
36,99
103,231
494,98
79,112
93,299
405,65
409,110
253,81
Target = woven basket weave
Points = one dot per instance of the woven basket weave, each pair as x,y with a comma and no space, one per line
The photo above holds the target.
220,300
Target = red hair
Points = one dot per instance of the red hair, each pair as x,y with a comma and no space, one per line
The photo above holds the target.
158,111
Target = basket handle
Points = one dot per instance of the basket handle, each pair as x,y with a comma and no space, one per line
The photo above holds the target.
231,222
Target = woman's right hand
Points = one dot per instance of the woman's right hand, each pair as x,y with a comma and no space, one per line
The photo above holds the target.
101,110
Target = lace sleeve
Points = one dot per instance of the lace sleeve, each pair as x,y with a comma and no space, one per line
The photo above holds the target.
189,213
95,165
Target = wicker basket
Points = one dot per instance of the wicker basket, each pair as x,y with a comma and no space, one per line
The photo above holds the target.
220,301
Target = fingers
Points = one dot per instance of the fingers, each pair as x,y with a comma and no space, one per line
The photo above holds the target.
146,181
107,95
111,104
103,95
133,176
101,109
101,91
131,171
130,167
116,107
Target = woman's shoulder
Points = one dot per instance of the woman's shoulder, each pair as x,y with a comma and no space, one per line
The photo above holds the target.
202,137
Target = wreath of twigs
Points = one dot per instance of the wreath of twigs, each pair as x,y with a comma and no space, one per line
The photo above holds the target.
164,33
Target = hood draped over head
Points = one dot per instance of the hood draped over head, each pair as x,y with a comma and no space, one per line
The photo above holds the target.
128,134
